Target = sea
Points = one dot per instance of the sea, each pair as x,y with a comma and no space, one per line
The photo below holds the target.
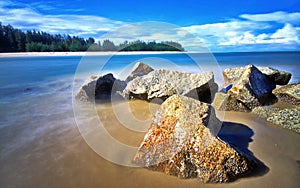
37,123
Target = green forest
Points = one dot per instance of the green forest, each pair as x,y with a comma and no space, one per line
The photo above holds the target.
16,40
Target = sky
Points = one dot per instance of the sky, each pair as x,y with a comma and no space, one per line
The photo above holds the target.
218,25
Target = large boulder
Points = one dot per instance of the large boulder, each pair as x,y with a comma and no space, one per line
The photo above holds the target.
253,88
139,69
164,83
231,75
288,118
100,88
181,142
227,102
289,93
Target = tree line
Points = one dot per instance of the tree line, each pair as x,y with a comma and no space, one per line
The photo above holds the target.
16,40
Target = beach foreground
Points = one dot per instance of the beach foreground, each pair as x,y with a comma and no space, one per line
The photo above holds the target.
59,157
41,145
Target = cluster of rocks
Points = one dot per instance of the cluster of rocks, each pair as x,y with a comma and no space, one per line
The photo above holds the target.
104,87
257,89
249,87
148,84
182,139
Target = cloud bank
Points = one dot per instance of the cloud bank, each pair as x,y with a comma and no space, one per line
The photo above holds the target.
27,18
263,32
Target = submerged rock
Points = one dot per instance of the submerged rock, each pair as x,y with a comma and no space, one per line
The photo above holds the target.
181,143
289,93
139,69
232,75
100,88
288,118
164,83
227,102
253,88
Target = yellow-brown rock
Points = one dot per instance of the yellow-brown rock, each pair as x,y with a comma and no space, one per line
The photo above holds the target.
181,141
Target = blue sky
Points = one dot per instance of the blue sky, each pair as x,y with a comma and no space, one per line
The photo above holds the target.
221,25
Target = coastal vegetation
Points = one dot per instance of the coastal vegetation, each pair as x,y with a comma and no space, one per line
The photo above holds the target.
16,40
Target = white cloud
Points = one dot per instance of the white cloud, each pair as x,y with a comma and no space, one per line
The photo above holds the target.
255,31
220,33
26,17
280,17
286,35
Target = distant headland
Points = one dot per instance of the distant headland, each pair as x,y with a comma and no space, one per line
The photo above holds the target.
16,40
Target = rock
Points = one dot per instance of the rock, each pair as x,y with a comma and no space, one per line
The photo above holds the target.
264,111
100,88
180,143
288,118
278,77
227,102
231,75
164,83
87,90
139,69
289,93
253,88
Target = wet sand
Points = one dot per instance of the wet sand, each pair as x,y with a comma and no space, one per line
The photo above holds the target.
58,156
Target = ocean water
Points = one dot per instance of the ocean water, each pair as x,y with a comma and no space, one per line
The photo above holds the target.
38,130
24,79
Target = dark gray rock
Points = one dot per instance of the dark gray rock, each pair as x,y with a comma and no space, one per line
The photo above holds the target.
164,83
231,75
139,69
180,143
253,88
277,76
100,88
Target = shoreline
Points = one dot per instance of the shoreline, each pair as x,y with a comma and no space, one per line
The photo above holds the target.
60,54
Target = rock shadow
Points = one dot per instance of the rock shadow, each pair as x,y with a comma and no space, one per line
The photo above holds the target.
239,136
108,99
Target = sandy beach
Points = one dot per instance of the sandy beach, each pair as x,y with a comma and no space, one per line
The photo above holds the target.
59,157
